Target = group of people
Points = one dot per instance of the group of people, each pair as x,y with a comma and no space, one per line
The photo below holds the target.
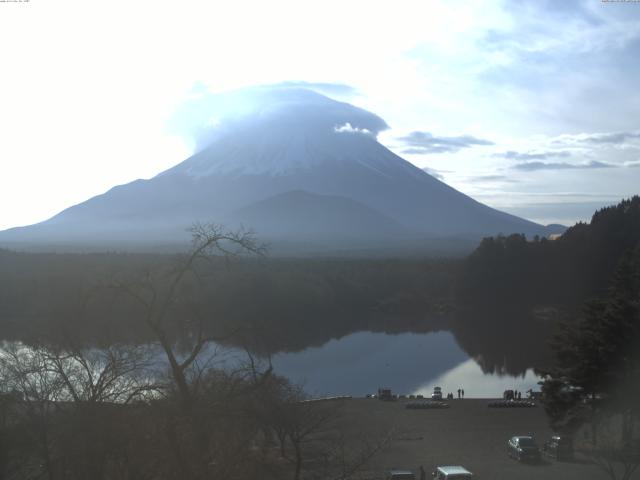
512,395
460,394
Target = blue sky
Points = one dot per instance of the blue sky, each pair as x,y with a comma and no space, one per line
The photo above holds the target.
532,107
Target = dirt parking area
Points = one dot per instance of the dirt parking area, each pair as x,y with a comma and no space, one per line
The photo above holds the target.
469,433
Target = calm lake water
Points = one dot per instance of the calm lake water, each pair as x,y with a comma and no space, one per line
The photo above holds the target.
408,363
360,363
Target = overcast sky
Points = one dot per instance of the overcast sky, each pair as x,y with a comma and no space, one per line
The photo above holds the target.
532,107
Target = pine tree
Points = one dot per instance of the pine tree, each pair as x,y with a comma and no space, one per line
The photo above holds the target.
597,373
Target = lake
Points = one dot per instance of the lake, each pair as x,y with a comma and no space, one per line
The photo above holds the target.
408,363
361,362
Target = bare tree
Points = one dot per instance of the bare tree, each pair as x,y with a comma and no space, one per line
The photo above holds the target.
312,437
159,294
116,374
172,305
24,372
605,445
69,401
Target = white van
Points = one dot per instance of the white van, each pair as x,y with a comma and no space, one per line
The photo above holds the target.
452,473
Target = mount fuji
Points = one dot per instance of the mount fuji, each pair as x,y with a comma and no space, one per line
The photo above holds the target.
297,167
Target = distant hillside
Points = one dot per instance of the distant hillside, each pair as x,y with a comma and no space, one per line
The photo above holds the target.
576,266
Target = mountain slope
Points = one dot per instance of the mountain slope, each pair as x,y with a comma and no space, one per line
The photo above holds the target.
314,217
289,140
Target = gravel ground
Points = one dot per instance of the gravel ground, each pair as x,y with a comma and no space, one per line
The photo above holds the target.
468,434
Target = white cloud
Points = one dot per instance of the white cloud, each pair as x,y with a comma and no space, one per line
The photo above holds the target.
347,128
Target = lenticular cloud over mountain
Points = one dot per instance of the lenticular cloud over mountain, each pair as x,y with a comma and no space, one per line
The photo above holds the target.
298,167
276,131
205,117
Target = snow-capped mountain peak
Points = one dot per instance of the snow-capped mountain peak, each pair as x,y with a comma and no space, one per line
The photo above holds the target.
278,131
296,164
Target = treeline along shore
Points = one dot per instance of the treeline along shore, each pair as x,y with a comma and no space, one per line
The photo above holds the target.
247,301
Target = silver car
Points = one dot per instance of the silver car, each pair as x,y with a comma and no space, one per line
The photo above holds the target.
452,472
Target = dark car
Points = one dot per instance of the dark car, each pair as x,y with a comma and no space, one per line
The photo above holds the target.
523,448
560,448
400,474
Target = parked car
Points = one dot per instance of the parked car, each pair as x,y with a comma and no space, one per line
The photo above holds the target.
437,393
400,474
560,448
452,472
523,448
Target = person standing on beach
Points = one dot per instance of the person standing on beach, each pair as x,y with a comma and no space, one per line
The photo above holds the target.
458,393
462,392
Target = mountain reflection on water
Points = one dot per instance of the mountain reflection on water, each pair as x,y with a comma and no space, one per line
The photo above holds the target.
485,351
408,363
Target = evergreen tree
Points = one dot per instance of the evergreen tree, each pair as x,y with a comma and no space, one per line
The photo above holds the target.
597,358
596,381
